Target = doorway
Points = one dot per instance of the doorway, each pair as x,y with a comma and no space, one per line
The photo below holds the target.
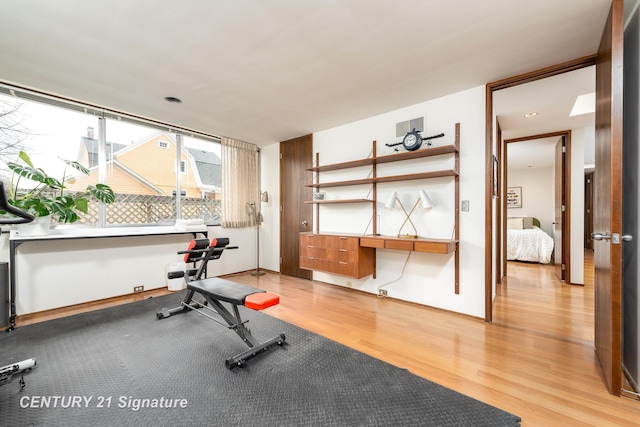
491,119
540,166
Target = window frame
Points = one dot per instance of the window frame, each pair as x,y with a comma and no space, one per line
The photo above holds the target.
31,95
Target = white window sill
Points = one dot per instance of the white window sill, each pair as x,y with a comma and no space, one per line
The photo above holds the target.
74,232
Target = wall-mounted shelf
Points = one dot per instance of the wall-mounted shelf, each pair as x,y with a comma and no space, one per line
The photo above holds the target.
396,157
366,181
440,246
336,202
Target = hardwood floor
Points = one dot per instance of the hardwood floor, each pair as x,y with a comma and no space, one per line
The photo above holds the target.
535,360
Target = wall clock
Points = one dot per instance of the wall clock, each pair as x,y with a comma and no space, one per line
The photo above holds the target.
413,140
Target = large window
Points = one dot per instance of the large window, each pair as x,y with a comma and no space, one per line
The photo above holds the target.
146,165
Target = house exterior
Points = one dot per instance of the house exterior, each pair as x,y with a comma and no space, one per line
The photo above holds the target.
147,167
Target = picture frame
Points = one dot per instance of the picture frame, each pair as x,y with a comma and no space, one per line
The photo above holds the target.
319,196
514,197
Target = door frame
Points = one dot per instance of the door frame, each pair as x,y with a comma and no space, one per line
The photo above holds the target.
532,76
566,184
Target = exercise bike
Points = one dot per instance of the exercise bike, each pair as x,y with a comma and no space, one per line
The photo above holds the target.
9,372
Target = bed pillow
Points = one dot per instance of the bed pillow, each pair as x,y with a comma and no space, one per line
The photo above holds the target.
514,223
527,222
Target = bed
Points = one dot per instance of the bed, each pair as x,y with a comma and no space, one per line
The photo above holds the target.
526,241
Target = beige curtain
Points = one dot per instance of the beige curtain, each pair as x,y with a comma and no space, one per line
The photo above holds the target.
240,183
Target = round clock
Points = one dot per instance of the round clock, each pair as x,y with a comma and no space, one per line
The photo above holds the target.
412,141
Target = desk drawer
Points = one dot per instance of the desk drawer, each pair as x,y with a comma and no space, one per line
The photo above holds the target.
318,252
346,268
371,242
343,255
404,245
348,243
435,247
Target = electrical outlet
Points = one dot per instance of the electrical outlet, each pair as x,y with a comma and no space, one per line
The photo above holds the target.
138,288
382,292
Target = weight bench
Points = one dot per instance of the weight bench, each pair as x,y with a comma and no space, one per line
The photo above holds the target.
217,292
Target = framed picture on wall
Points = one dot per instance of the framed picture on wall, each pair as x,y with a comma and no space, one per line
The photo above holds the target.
514,197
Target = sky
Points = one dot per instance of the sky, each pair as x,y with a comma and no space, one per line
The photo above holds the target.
55,132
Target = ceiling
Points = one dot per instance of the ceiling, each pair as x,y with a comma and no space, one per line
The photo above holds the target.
552,99
267,71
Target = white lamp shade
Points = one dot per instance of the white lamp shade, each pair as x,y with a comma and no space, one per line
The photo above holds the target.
425,200
391,203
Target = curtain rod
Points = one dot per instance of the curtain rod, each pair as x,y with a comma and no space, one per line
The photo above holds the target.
10,89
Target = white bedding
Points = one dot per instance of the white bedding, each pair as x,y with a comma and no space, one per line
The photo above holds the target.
531,244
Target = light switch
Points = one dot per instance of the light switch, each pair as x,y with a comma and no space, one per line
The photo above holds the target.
464,206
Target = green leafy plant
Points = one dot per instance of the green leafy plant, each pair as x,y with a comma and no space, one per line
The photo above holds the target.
47,196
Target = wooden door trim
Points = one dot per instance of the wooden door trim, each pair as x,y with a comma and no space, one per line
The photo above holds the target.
500,266
539,74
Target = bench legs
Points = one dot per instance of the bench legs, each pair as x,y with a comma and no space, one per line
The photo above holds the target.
232,320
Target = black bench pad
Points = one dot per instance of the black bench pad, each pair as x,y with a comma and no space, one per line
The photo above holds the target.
223,290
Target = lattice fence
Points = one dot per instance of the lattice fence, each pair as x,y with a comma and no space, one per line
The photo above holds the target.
138,209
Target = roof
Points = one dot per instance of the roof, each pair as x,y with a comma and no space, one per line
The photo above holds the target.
91,145
209,167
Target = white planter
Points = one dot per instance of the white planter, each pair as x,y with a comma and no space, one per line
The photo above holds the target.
38,227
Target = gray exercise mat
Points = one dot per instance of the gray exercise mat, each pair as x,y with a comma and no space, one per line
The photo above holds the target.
98,368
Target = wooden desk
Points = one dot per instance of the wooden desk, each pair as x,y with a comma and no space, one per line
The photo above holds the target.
436,246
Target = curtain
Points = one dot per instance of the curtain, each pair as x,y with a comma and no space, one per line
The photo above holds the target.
240,183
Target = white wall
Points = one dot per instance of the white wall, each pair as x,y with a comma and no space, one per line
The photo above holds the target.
428,278
53,274
270,232
537,195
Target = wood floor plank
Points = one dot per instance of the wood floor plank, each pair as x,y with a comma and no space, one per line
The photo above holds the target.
535,360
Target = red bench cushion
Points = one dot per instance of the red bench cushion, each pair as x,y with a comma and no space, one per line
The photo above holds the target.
261,300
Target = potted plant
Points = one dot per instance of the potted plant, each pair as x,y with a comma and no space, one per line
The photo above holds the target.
47,196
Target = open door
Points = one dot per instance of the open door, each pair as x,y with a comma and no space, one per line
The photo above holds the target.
607,243
559,210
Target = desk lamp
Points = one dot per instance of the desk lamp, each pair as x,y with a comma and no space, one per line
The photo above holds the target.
423,199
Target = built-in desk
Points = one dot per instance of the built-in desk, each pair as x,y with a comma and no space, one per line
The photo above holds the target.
436,246
16,239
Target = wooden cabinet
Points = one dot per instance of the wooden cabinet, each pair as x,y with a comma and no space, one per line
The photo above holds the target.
337,254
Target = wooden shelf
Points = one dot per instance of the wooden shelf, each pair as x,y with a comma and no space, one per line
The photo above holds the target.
425,152
336,202
397,157
344,165
393,178
414,176
364,181
372,242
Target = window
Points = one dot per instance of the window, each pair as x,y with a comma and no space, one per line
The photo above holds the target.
143,177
